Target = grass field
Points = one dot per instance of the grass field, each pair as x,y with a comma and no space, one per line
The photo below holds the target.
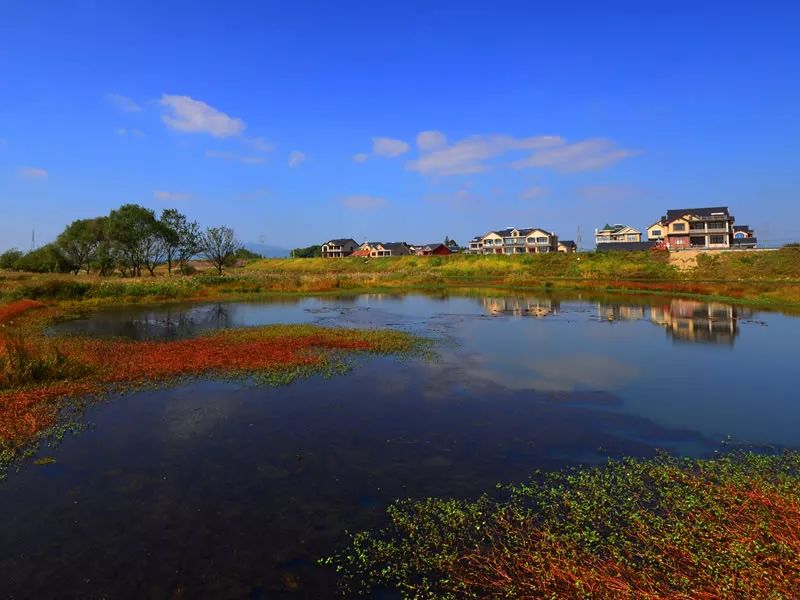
758,278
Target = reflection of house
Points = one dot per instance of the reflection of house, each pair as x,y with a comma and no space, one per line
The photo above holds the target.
620,312
567,246
430,249
617,233
744,237
379,249
704,228
687,320
519,307
339,248
514,240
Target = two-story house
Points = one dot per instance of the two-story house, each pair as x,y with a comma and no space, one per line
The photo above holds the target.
381,249
514,240
702,228
617,234
339,248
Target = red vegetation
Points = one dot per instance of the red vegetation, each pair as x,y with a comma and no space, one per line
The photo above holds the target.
756,526
9,311
42,371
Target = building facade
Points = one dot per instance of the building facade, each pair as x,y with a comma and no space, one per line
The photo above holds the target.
699,228
431,249
514,240
339,248
382,249
617,234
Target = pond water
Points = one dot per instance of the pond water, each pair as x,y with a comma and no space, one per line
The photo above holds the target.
227,490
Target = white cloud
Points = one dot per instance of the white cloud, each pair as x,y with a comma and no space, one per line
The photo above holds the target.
123,103
361,157
224,155
170,196
588,155
32,173
193,116
431,140
124,131
364,202
534,192
258,144
470,154
296,158
232,156
388,147
3,141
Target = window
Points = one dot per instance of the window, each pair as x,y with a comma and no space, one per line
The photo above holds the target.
739,235
655,233
716,225
679,227
541,240
717,239
531,240
632,237
697,226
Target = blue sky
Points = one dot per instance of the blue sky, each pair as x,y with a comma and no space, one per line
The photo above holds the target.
296,122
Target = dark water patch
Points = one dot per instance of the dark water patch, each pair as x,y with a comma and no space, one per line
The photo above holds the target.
219,490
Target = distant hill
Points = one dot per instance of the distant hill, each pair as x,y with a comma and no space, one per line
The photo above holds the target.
266,250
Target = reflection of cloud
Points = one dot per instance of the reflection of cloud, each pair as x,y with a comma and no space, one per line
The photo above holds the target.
568,373
588,372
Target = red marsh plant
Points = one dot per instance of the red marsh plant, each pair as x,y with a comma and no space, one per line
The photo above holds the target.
656,529
39,373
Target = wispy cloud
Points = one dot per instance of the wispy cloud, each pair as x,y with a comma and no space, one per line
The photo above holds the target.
3,141
361,157
388,147
188,115
610,192
258,144
428,141
124,131
296,158
471,154
233,156
32,173
534,192
123,103
364,202
588,155
170,196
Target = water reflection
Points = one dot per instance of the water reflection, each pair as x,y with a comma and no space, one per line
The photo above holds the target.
521,306
683,320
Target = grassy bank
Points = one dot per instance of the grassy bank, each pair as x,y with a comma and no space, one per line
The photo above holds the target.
769,279
40,374
654,529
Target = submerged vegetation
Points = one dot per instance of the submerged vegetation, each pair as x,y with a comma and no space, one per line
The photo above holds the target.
39,374
727,527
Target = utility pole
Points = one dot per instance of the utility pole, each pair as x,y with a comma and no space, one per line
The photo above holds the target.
579,239
33,240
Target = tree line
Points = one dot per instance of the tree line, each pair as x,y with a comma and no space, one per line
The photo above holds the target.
130,240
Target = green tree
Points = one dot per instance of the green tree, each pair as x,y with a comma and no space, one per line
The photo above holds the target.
307,252
78,242
46,259
219,246
182,238
138,238
9,258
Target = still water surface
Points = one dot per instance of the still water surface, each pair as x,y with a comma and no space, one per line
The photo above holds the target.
225,490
